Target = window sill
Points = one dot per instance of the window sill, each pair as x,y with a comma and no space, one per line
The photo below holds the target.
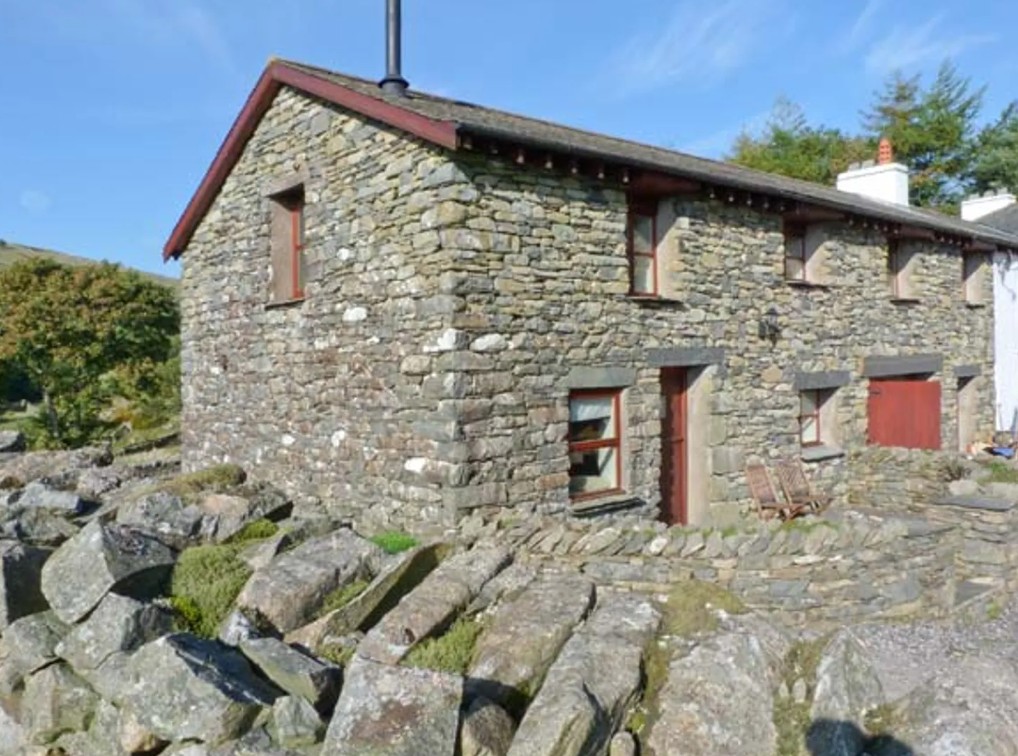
905,300
975,305
610,500
798,284
284,304
821,452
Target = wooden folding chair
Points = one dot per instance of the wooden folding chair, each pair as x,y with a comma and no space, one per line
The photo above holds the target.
761,488
797,488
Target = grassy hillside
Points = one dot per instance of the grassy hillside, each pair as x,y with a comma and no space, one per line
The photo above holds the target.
11,253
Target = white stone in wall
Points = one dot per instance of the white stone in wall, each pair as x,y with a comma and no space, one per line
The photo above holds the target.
354,314
345,254
447,341
288,440
415,465
490,342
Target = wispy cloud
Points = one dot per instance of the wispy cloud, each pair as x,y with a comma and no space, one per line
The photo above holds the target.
717,143
699,44
35,201
905,47
859,29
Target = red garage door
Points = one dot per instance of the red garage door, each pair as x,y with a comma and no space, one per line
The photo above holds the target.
904,412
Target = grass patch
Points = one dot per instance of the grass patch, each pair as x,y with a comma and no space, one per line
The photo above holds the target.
1001,472
214,479
994,610
258,530
791,718
341,597
336,653
204,585
394,541
450,652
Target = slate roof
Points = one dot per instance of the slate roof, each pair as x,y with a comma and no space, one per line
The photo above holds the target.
1005,219
462,119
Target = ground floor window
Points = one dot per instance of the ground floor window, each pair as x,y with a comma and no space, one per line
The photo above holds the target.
595,453
818,418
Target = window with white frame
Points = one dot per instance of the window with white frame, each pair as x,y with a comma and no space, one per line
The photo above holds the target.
595,443
642,242
818,420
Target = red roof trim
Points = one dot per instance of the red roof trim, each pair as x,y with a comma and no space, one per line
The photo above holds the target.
441,133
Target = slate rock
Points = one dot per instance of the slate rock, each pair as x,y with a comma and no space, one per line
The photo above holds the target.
623,744
399,576
96,482
237,628
21,469
38,495
165,516
28,644
526,634
38,527
12,441
21,593
294,672
56,701
184,688
718,700
119,623
103,558
13,739
486,730
594,681
846,687
293,586
432,604
395,711
225,515
295,723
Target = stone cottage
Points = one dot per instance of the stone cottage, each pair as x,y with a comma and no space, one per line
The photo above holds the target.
417,306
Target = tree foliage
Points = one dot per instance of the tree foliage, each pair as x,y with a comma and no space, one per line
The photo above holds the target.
933,129
82,335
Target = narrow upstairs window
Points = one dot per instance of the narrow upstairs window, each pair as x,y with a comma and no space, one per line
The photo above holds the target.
643,252
289,270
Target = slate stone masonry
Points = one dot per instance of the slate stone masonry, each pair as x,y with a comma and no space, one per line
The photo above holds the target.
454,300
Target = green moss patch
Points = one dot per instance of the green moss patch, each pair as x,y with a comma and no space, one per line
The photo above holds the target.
792,719
1001,472
450,652
216,479
341,597
204,585
258,530
394,541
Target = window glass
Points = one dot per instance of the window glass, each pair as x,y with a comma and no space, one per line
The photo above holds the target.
643,275
594,446
643,234
593,470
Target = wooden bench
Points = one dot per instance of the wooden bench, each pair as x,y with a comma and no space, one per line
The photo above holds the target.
762,489
798,491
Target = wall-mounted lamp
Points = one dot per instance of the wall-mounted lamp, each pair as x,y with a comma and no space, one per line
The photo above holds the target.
770,328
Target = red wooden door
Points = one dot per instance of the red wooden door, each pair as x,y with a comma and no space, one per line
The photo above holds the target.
904,412
674,454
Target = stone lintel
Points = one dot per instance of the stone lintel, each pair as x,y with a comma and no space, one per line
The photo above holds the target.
685,356
283,183
967,371
823,379
600,377
880,366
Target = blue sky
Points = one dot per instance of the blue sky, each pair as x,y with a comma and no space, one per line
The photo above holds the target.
111,110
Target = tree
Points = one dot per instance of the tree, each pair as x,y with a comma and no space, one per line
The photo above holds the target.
790,147
932,131
73,332
994,163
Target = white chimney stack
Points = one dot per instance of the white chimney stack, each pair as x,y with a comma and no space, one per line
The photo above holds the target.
976,206
886,180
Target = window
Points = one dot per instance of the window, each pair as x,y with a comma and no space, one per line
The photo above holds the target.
795,253
642,242
595,454
972,277
288,264
900,265
818,419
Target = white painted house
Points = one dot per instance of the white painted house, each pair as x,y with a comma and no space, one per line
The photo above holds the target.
1000,210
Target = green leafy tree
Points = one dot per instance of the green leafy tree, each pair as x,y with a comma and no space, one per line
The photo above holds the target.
789,146
994,162
75,332
932,131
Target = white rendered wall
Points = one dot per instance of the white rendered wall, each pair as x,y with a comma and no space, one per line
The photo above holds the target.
1005,341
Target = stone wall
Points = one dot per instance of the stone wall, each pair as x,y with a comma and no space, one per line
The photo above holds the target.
454,301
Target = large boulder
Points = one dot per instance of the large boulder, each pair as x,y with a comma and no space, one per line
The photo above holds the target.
846,687
119,623
295,723
21,568
967,708
525,635
486,729
183,688
433,603
165,515
56,701
20,470
395,711
718,699
596,678
28,644
38,527
39,495
294,672
225,515
293,586
103,558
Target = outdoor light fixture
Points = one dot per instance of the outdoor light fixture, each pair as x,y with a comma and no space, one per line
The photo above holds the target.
770,329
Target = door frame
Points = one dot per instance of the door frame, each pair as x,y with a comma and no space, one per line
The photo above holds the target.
675,384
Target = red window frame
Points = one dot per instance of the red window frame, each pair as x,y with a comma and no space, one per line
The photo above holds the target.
602,443
894,268
815,416
635,212
296,208
795,234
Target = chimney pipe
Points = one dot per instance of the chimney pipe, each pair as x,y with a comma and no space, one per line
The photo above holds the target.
394,83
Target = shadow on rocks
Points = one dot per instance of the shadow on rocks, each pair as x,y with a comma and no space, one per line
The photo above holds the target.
830,737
